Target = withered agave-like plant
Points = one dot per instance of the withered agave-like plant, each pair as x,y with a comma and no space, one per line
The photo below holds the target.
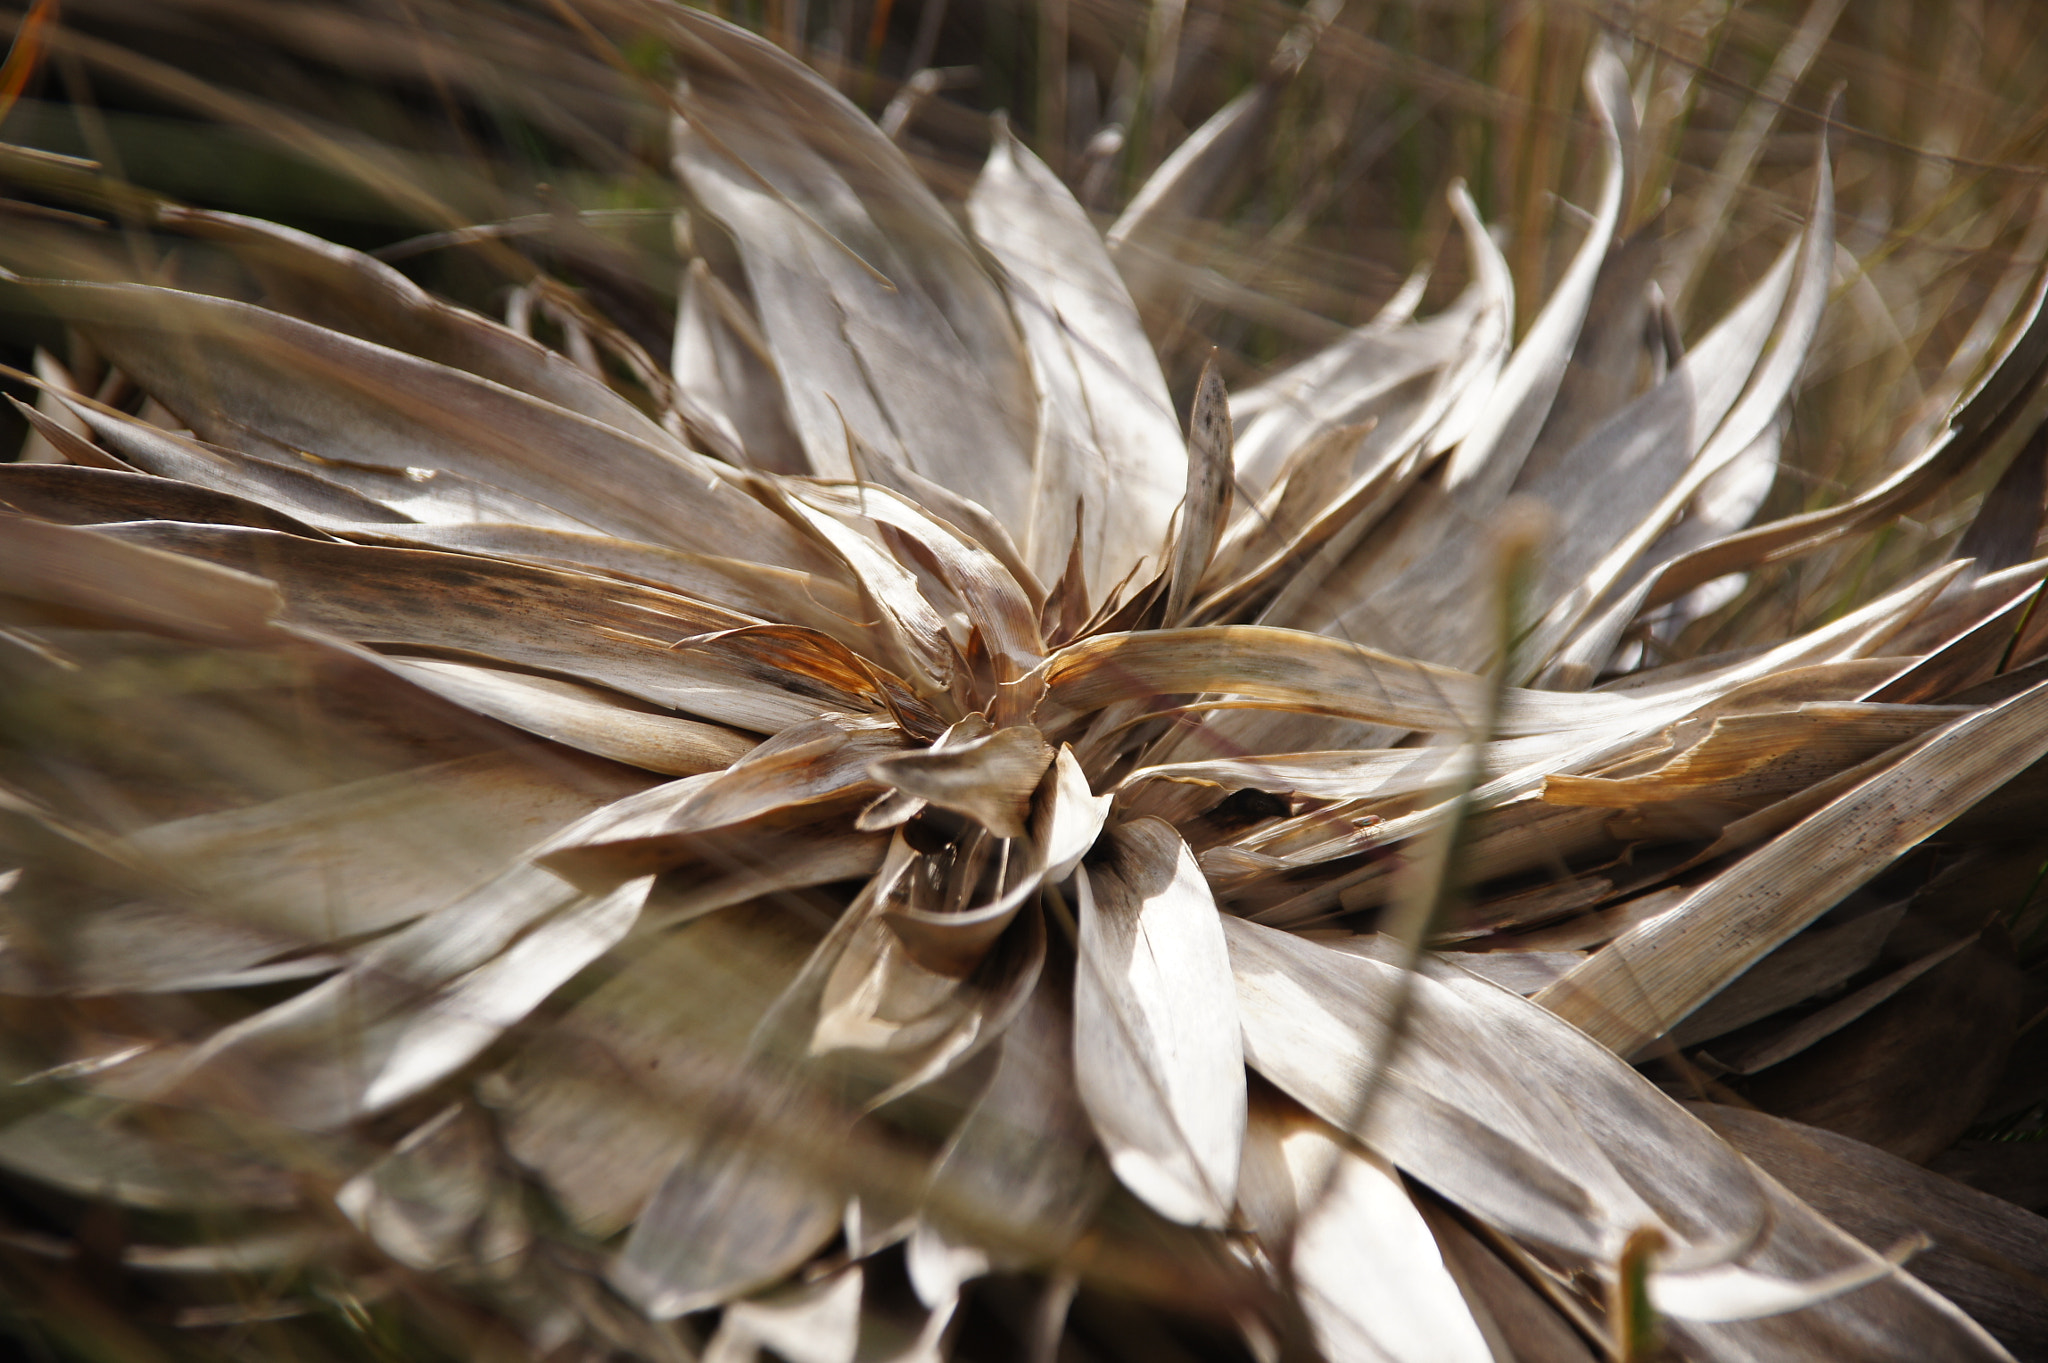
912,806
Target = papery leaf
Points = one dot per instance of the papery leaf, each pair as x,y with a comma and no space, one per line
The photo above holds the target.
94,1147
1987,1253
1312,1019
416,1006
1139,240
437,1198
1304,671
362,856
989,779
70,495
1075,818
766,1167
725,387
878,316
1457,1117
817,1322
810,600
1207,504
770,863
1729,1293
1401,376
297,489
360,295
1369,773
82,570
274,386
891,1022
1809,965
1651,978
1022,1174
1156,1052
822,760
1754,755
997,604
1602,490
586,717
1408,394
744,1204
1110,458
1504,430
651,644
912,638
1370,1276
1767,390
601,1106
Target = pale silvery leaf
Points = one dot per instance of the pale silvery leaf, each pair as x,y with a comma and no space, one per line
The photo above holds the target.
1110,458
1156,1051
1372,1280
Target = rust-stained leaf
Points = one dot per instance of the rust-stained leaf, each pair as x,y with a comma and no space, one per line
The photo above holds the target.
648,643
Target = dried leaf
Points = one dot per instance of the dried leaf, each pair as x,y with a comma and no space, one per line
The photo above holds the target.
825,759
1911,1074
435,1201
655,645
1304,671
363,856
1022,1174
84,571
1987,1255
1181,186
601,1106
1655,975
1106,432
271,385
989,779
360,295
1206,506
1527,1125
586,717
1370,1276
1807,966
413,1008
879,317
1156,1052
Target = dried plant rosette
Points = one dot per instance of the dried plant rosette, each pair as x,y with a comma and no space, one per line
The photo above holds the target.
911,809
